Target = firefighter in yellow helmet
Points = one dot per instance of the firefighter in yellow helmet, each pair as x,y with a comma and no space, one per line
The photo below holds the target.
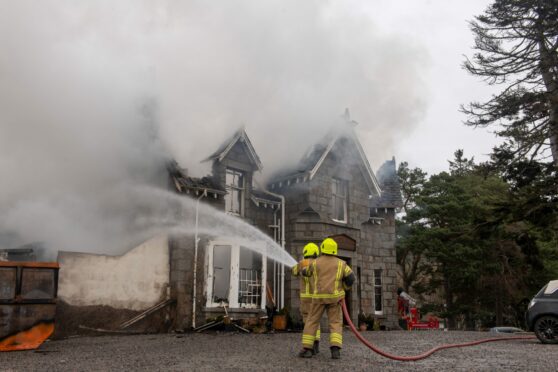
310,252
331,276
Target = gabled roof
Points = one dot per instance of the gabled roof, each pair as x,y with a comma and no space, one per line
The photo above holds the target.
226,146
313,160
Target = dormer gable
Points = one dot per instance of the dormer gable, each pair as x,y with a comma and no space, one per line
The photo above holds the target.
233,166
237,150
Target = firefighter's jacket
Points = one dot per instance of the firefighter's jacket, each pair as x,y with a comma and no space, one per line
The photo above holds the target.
330,277
306,287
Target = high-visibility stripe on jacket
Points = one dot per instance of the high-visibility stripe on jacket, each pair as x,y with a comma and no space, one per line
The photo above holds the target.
327,273
306,287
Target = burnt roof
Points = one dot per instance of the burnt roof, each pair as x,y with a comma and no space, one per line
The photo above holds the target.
391,189
182,181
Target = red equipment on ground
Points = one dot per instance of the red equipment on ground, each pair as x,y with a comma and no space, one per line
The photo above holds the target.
414,322
410,316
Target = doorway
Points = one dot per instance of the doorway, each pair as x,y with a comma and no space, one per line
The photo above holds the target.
348,293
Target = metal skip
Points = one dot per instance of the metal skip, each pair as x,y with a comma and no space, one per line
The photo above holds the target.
28,293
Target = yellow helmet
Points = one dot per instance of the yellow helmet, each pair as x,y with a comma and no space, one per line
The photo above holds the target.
329,246
310,250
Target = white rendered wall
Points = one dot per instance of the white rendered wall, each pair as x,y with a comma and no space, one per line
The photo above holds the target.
136,280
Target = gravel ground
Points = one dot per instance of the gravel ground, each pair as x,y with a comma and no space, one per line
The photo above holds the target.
251,352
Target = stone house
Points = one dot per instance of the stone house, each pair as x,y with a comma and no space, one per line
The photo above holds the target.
334,193
161,271
227,273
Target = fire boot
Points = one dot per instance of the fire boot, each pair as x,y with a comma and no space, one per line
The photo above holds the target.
306,353
335,352
316,349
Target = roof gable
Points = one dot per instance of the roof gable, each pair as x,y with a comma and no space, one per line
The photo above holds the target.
240,138
364,165
316,156
310,167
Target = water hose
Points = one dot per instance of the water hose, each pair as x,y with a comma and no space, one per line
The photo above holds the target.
427,353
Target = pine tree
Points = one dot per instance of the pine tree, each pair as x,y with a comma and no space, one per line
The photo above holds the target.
516,43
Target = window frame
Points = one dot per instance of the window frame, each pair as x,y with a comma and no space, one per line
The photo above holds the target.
381,294
234,280
345,198
240,189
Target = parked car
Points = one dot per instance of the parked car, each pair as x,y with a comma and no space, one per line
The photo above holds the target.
542,314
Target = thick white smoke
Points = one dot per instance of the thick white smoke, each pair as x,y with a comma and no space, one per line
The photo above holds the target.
94,96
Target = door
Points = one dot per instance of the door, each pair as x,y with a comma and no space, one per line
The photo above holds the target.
348,293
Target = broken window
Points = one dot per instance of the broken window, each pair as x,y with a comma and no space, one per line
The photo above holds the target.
236,277
378,305
339,200
234,181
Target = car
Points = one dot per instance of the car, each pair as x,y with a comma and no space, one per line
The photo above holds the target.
542,314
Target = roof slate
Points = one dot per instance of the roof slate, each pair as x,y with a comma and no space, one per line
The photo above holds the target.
391,189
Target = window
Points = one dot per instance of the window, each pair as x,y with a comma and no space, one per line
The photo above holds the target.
236,277
234,185
249,279
339,200
378,306
221,273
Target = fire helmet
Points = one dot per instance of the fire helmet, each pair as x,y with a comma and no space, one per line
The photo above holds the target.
329,246
310,250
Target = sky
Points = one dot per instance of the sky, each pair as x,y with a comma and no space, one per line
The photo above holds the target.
439,28
95,95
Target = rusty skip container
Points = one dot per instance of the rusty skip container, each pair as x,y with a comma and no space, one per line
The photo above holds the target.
28,293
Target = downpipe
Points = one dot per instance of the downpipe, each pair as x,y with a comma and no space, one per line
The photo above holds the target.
196,241
425,354
282,266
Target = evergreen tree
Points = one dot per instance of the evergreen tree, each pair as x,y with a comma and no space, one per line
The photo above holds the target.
481,238
516,43
414,269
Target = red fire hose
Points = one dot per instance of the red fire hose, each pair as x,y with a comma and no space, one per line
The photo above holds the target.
427,353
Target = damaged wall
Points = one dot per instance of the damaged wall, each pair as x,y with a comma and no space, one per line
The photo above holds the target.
136,280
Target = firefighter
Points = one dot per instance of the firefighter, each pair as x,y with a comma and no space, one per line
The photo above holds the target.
331,276
310,252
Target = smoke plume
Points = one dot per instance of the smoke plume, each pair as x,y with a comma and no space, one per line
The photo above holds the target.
94,96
